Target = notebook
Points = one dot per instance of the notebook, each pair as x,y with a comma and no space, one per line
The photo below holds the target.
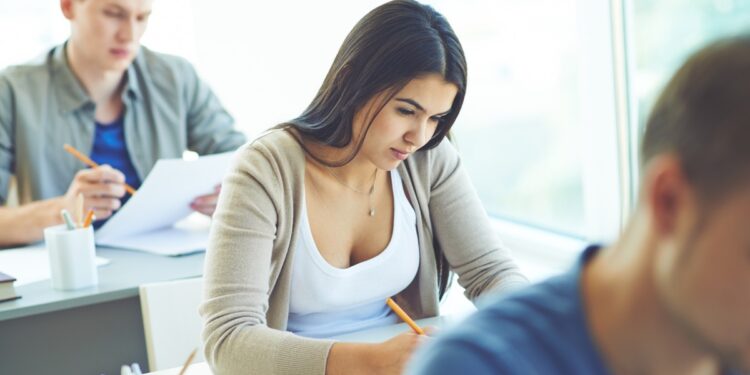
7,290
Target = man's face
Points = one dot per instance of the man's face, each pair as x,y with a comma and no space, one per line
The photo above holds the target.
706,286
107,33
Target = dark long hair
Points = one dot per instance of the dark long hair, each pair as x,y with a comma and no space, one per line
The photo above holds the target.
393,44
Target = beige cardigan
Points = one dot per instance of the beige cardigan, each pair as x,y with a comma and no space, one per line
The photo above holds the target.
248,261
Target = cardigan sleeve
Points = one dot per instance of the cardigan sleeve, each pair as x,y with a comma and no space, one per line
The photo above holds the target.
463,230
238,272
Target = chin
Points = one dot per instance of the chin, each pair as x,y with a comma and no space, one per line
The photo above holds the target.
385,162
119,66
390,166
118,63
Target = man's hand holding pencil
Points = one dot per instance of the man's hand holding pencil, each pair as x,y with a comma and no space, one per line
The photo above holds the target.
101,188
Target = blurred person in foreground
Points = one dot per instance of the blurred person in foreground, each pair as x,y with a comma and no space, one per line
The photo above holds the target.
672,295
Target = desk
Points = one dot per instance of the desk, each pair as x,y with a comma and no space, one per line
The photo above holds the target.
372,335
88,331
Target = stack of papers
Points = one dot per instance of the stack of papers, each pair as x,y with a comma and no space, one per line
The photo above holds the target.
147,222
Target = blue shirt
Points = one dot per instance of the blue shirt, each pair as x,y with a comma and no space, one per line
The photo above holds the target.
539,330
109,148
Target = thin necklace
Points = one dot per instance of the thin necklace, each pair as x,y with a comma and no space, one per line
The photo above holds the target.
368,193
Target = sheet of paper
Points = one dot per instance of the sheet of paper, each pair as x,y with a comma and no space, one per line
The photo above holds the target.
30,264
187,236
162,200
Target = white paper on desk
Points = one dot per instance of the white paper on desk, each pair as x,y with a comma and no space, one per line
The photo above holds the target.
30,264
188,236
146,222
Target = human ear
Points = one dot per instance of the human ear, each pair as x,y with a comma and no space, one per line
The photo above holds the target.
668,194
67,8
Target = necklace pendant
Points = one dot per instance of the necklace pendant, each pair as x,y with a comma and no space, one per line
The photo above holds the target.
372,212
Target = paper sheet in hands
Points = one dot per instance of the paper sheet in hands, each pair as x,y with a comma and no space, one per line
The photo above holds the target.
146,222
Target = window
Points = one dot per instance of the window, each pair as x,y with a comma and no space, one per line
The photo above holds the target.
665,33
27,28
519,132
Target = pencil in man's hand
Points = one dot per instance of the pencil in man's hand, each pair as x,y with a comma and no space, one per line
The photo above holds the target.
402,314
85,159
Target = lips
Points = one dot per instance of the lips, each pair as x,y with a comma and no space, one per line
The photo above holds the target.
119,52
398,154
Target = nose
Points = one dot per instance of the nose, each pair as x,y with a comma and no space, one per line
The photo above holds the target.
127,30
419,134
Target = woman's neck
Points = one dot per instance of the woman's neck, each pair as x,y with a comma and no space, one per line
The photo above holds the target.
357,173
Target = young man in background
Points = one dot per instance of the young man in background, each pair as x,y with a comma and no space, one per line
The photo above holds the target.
121,104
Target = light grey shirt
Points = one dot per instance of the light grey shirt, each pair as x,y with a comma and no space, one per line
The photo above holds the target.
249,259
167,109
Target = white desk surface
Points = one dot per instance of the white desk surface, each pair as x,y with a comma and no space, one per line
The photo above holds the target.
378,334
117,280
194,369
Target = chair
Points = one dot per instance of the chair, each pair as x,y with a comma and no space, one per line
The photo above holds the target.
171,321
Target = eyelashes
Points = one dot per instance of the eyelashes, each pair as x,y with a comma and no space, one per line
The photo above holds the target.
409,112
113,14
405,111
122,15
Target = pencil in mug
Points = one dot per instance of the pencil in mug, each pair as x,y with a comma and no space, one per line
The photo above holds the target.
69,224
402,314
85,159
89,218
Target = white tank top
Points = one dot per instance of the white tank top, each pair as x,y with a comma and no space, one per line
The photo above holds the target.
327,301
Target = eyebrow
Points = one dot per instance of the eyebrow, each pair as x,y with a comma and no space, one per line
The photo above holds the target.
115,5
120,8
419,107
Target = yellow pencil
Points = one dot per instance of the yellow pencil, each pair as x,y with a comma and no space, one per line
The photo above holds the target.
85,159
402,314
89,218
187,363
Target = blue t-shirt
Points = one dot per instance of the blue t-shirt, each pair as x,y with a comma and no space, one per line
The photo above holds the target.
109,148
539,330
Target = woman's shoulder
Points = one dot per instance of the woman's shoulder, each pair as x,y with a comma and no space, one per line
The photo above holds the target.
275,148
274,138
273,142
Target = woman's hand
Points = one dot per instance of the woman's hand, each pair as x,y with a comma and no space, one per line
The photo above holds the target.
390,357
386,358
